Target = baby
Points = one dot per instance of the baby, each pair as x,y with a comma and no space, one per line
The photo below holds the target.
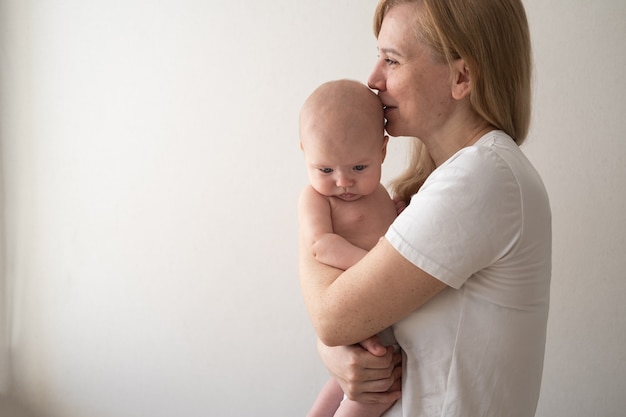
345,209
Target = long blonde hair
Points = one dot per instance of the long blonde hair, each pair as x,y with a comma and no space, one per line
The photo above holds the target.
420,166
493,38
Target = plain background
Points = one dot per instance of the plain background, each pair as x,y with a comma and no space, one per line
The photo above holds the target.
150,172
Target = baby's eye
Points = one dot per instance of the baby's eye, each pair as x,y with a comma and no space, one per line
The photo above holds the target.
359,167
326,170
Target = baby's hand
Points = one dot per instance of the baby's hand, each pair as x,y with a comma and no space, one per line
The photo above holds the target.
400,205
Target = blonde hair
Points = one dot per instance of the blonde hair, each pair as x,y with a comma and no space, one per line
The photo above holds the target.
412,178
493,38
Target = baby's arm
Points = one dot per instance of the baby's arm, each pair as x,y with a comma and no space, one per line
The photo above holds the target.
317,228
332,249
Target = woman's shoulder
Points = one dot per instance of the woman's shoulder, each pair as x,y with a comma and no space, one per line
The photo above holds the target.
482,160
486,171
494,156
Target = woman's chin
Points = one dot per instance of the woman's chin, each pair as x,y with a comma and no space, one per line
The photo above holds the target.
389,127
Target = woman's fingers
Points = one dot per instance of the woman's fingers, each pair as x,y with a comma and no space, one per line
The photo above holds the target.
373,385
365,377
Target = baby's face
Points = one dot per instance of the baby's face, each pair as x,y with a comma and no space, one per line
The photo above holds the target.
344,162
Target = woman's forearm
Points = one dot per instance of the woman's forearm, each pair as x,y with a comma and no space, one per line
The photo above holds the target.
381,289
315,281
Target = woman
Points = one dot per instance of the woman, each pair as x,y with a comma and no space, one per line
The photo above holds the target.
463,274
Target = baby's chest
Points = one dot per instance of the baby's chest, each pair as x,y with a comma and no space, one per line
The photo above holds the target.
348,216
358,224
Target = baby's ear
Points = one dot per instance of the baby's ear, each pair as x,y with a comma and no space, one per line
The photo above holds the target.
301,147
385,141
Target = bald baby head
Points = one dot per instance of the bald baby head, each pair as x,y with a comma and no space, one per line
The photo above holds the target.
339,110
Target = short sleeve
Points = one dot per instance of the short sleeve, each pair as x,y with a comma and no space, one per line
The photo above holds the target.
466,216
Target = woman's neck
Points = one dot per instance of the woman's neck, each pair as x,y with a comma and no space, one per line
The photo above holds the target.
446,145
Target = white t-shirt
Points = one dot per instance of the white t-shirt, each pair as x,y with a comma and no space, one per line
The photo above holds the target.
481,223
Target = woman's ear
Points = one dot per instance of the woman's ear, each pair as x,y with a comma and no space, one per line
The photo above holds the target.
461,80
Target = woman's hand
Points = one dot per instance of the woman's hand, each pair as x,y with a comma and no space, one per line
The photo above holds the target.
367,372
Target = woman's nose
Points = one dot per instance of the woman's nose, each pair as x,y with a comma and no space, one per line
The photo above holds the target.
376,80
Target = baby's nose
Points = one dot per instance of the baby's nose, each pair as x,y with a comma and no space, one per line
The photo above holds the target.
344,181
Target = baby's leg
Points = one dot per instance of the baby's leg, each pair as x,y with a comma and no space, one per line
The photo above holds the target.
349,408
327,401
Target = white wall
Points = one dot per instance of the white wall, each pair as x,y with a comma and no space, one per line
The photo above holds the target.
151,170
578,145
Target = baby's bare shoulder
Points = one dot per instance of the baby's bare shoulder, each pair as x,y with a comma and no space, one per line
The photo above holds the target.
309,193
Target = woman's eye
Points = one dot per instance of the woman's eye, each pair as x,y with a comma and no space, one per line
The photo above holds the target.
390,61
359,167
